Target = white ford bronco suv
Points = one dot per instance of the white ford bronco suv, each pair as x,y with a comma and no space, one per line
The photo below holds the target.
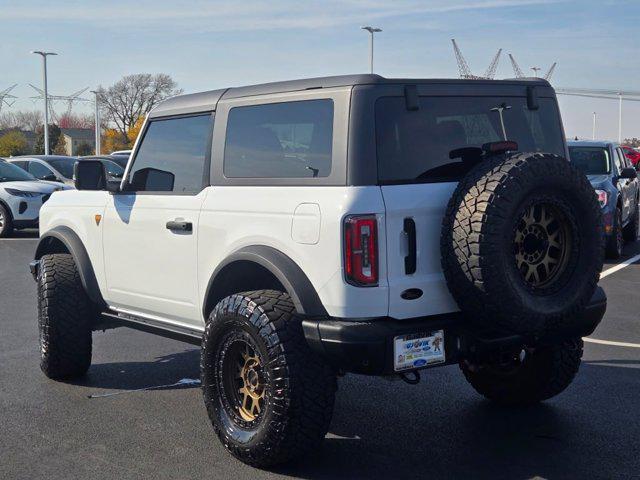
302,230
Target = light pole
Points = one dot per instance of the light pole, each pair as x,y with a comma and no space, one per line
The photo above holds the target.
593,134
46,97
619,117
371,30
97,121
535,71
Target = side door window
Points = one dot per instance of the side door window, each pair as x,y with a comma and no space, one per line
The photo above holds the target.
625,160
172,156
40,171
617,161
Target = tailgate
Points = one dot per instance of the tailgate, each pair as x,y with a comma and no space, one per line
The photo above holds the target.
424,205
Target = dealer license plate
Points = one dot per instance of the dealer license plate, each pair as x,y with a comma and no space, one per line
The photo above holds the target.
418,350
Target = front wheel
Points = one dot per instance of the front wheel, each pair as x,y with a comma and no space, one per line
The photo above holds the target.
6,225
533,375
64,319
269,397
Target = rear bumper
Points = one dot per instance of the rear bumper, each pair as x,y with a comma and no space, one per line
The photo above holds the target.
366,346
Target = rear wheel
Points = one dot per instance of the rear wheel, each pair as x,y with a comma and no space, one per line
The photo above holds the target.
6,224
615,242
526,377
269,397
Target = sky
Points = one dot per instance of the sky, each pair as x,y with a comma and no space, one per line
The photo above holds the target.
208,44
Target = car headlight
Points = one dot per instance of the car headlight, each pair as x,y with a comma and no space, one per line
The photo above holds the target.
22,193
602,197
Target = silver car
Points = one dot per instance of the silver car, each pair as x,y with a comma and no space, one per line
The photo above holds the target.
21,196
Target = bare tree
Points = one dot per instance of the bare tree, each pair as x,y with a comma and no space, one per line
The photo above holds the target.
29,120
134,96
21,120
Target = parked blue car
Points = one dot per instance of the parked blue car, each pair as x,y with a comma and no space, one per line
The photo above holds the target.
616,183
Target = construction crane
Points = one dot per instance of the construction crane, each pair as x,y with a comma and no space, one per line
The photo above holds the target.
493,66
549,73
463,66
516,68
4,95
69,99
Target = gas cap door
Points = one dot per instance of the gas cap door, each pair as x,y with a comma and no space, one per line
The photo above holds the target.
305,226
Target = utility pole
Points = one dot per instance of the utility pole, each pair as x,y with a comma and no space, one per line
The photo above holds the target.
371,30
46,97
619,117
593,134
97,121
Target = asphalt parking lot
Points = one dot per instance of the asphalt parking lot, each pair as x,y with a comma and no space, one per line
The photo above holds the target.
438,429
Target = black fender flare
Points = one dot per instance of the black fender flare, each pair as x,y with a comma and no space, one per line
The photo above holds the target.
283,268
76,248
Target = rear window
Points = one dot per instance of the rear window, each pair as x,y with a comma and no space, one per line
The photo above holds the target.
414,146
280,140
591,160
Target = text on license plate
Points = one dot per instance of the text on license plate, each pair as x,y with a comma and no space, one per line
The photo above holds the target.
418,350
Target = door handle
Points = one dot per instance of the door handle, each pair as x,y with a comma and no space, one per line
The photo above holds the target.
180,225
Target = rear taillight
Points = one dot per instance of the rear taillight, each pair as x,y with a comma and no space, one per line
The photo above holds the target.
361,250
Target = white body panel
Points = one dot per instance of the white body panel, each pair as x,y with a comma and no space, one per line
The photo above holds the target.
77,210
142,267
236,217
150,269
425,204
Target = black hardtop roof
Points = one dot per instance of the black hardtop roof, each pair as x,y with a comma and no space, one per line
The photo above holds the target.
206,101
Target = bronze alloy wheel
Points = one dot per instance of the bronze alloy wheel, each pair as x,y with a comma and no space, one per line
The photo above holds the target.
542,244
244,379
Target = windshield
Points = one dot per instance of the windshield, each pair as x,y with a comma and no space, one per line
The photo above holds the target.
591,160
11,173
414,145
63,165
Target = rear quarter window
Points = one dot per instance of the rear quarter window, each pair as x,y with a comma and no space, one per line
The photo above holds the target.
280,140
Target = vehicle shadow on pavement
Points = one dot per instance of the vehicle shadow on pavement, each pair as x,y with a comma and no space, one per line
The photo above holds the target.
163,370
442,429
27,233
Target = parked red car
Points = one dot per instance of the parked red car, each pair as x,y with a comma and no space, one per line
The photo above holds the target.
632,154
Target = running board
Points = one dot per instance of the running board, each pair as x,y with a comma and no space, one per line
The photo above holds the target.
109,320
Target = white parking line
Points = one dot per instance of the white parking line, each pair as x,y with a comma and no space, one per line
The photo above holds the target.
609,342
620,266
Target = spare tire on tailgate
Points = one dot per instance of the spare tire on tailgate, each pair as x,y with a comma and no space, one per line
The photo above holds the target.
521,243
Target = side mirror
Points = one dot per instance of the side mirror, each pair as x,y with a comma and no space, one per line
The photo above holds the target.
629,172
90,175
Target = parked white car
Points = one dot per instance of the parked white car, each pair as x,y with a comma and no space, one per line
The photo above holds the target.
21,196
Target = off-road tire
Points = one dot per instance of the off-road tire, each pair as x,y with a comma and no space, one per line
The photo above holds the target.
543,374
64,319
300,386
6,222
477,245
615,241
630,232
